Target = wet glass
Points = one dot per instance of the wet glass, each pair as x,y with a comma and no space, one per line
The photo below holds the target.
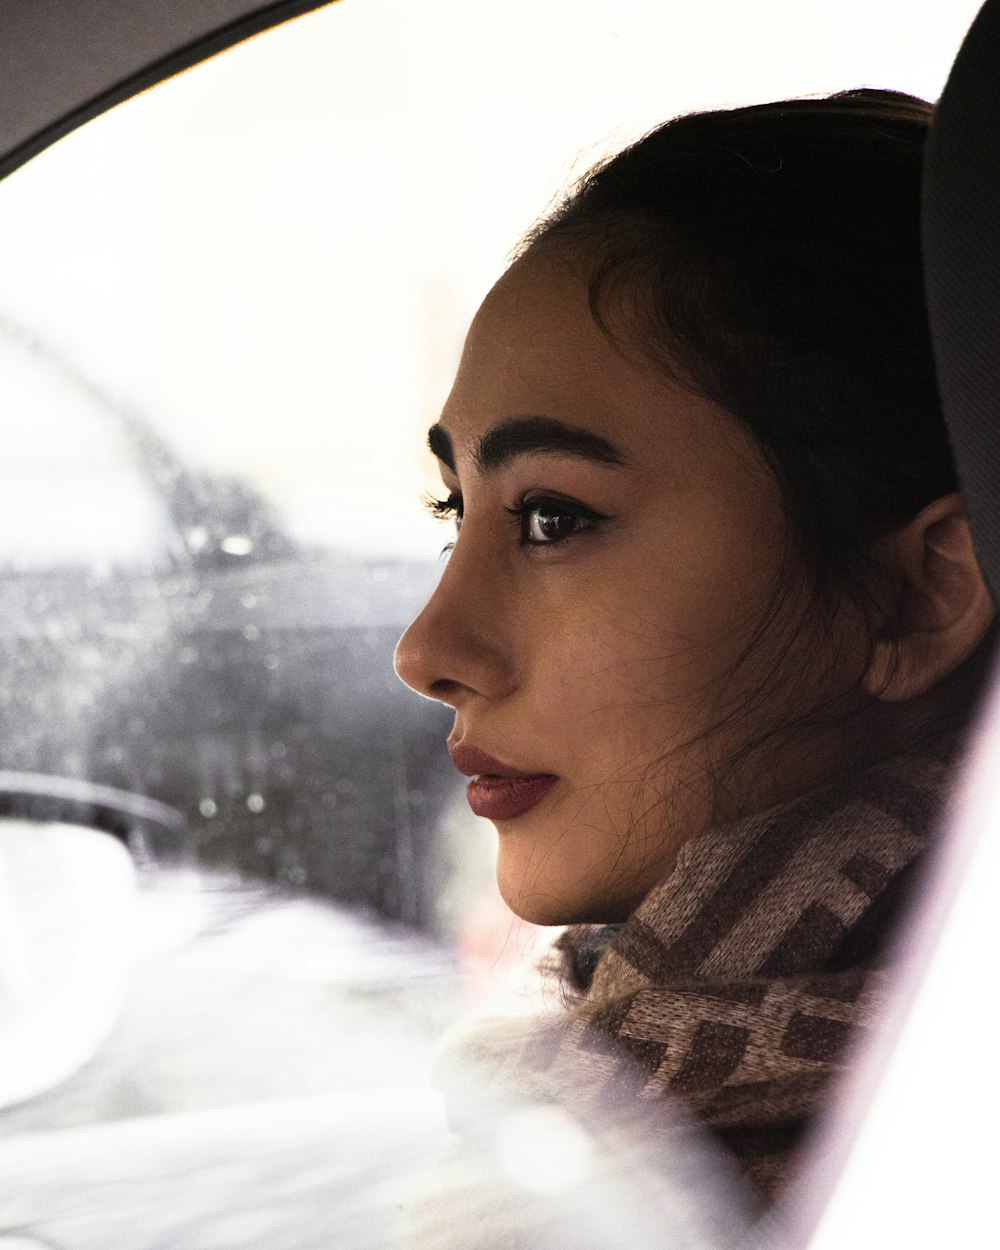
242,893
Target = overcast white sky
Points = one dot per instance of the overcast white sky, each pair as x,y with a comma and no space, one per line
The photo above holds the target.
275,255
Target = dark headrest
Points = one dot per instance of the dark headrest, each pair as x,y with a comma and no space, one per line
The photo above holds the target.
962,266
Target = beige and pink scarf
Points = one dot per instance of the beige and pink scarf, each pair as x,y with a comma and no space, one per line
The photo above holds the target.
740,987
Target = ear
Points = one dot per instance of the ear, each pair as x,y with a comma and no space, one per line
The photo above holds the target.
941,610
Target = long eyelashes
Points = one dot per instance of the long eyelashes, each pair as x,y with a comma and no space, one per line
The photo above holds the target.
449,509
542,521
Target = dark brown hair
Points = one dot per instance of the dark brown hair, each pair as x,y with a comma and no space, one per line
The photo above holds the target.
769,258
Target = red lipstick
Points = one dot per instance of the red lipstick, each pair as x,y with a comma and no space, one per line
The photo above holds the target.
497,791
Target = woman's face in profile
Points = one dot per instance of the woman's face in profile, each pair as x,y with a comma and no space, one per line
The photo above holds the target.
619,541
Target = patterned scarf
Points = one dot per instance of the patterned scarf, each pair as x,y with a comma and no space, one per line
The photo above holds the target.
740,984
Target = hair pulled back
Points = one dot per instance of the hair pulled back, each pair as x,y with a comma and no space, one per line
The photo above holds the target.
769,258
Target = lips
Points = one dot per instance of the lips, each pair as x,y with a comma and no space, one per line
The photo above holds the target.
497,791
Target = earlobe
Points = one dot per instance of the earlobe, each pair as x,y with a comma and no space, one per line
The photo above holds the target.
941,610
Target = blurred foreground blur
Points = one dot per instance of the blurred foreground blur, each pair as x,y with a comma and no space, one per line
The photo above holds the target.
259,1061
191,1061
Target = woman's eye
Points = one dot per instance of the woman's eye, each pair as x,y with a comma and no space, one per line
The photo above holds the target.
449,509
547,521
541,522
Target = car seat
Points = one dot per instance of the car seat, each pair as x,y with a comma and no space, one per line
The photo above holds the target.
962,273
911,1140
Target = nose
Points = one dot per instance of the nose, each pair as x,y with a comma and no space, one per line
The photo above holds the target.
459,647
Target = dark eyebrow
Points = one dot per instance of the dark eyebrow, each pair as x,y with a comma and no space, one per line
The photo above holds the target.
523,435
440,444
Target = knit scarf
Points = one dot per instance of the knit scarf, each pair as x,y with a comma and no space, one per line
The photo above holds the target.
741,985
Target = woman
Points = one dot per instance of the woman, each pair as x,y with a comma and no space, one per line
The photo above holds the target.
711,624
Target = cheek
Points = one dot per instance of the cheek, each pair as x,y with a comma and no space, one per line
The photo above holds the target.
647,651
659,628
617,694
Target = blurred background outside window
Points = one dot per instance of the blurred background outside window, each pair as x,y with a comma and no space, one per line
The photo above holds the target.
229,310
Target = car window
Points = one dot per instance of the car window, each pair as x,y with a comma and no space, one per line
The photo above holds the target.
72,492
230,310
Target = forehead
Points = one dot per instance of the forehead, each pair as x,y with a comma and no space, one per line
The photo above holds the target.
537,310
534,349
533,346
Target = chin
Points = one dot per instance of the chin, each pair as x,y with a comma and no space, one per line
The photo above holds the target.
545,906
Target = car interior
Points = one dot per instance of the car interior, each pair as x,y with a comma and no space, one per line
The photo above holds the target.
905,1157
